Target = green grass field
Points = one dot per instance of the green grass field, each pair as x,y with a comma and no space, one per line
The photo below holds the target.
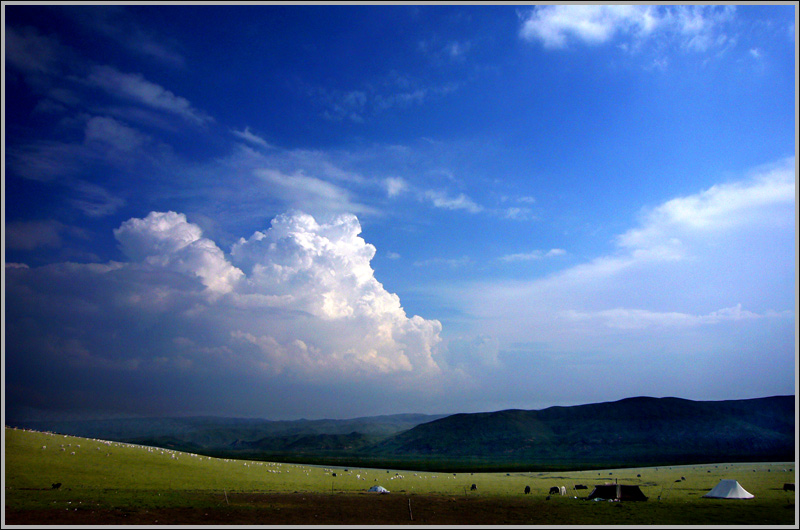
111,475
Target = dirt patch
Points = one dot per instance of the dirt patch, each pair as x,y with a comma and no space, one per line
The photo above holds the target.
315,509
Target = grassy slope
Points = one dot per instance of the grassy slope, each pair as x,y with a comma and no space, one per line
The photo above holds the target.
105,475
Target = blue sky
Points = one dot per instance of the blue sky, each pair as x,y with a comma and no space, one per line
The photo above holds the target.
339,211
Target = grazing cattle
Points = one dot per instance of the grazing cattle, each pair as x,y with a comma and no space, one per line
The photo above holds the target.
581,487
473,487
554,490
56,485
683,478
563,490
527,489
788,487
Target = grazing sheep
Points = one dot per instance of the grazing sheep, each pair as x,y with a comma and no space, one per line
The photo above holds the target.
473,487
56,485
527,489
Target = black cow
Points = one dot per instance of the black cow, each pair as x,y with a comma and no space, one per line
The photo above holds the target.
473,487
527,489
56,485
788,487
581,487
554,490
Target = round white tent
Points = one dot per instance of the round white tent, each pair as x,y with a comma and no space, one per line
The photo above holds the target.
729,489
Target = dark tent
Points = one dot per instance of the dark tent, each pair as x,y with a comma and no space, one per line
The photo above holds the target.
617,492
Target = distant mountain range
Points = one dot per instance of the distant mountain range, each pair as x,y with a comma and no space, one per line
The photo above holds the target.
640,431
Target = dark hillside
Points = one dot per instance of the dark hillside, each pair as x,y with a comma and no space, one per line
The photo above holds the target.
626,432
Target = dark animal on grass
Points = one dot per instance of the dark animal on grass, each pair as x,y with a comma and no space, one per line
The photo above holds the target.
473,487
547,498
788,487
581,487
527,489
554,490
56,485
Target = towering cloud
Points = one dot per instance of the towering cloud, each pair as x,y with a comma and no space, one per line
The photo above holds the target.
299,303
323,270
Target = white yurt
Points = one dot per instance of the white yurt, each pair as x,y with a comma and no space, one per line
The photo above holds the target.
728,489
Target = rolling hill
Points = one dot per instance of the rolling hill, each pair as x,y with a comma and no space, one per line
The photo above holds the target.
630,432
641,431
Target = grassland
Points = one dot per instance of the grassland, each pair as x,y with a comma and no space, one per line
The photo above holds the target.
110,482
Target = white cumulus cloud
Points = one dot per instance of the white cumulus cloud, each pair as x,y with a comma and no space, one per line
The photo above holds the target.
167,240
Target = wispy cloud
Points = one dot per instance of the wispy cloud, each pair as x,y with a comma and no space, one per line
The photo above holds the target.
696,28
134,87
440,199
249,137
121,26
114,134
32,52
518,213
94,200
533,255
720,207
303,191
622,318
393,92
439,51
444,262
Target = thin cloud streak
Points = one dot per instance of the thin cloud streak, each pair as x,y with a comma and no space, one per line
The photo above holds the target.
136,88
